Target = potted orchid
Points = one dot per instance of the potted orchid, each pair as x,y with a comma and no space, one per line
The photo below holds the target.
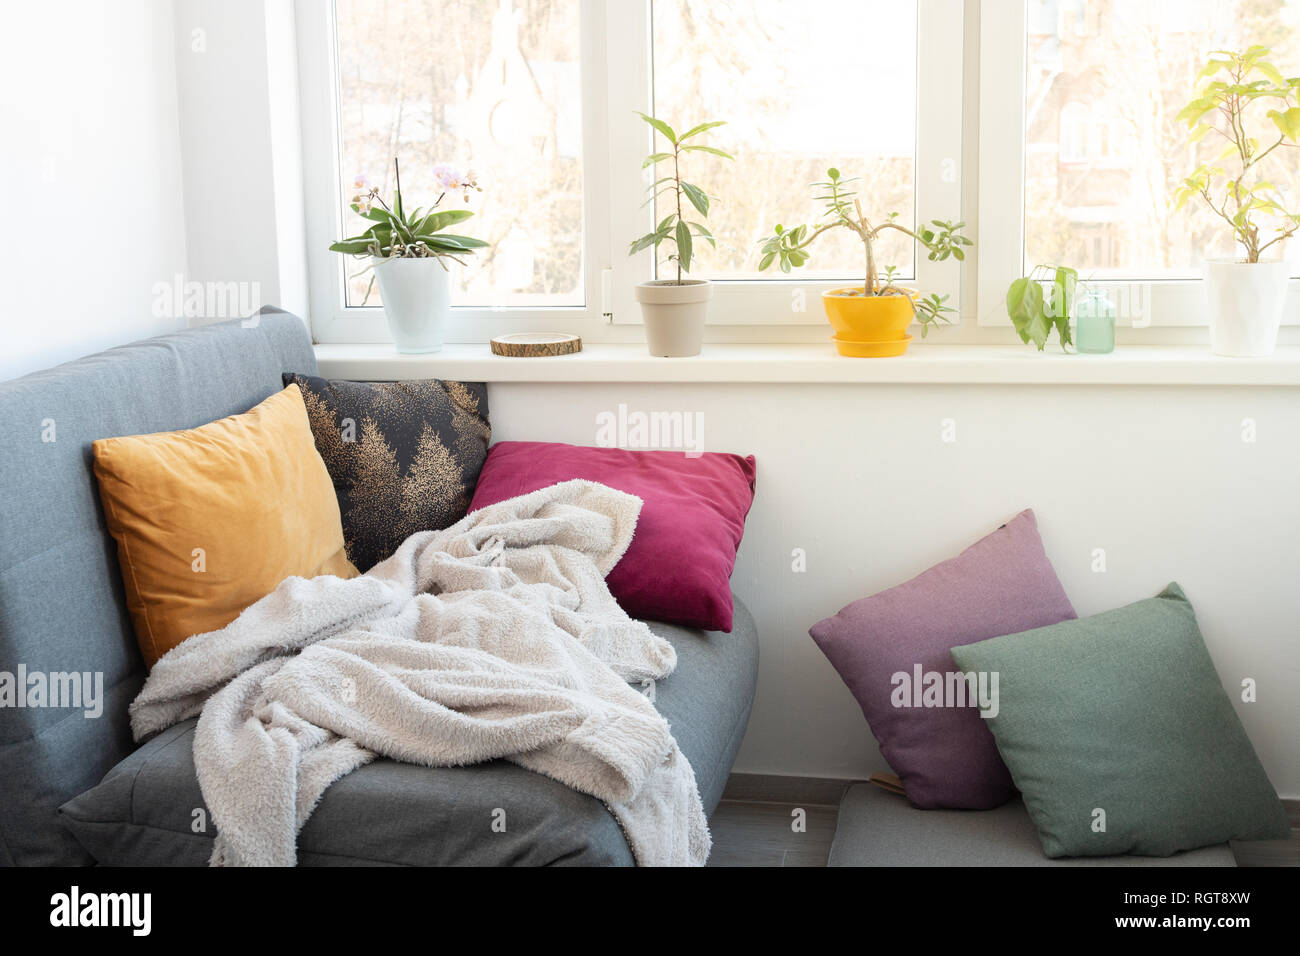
407,252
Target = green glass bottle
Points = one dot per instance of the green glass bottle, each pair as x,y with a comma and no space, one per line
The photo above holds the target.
1095,330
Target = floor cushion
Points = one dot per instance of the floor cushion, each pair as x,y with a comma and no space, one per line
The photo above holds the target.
890,646
877,828
1120,737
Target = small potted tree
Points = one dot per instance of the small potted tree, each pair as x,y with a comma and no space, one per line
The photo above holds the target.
408,253
870,320
1244,100
675,309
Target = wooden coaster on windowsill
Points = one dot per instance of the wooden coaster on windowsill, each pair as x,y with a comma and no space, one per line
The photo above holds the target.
536,344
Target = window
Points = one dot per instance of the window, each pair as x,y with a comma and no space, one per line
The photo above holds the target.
539,99
1161,46
499,88
1073,136
795,104
495,91
788,119
1094,151
1078,146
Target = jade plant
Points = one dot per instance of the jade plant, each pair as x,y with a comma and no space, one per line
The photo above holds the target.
1235,94
675,227
843,210
1035,312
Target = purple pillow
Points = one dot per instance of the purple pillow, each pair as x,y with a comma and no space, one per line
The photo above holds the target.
678,566
945,755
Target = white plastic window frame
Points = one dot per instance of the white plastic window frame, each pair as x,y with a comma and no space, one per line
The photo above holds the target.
781,301
332,320
616,83
1140,302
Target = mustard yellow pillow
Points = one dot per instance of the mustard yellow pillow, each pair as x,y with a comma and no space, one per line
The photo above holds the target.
211,519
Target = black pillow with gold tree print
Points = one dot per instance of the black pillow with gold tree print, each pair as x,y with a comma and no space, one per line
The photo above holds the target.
403,456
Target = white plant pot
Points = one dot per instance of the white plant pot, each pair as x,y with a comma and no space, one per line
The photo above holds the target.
1246,300
674,315
417,301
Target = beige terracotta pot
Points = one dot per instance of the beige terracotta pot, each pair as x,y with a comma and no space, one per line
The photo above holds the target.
674,315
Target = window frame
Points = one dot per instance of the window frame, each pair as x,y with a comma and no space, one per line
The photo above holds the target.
616,82
1158,302
331,320
783,301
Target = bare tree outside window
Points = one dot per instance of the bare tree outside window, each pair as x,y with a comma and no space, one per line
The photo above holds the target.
1104,150
490,86
797,100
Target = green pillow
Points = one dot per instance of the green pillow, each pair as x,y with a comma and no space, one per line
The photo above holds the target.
1118,734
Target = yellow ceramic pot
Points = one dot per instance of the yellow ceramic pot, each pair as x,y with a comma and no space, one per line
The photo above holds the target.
871,349
868,318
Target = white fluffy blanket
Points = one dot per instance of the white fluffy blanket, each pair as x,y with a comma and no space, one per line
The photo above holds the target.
496,638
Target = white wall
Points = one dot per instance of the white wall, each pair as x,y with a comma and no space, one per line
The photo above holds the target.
859,477
145,140
92,178
237,76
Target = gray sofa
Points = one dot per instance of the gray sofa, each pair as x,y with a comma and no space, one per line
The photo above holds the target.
75,789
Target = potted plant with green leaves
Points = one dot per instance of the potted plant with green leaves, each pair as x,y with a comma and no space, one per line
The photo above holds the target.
408,252
870,320
675,309
1041,302
1243,100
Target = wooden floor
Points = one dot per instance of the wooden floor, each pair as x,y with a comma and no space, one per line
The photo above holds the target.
761,834
756,825
1273,852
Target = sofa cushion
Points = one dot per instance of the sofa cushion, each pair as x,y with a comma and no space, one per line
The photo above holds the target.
209,520
149,811
678,566
404,456
877,828
61,601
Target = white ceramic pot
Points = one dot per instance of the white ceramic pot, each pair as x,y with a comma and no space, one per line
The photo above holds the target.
674,315
417,301
1246,300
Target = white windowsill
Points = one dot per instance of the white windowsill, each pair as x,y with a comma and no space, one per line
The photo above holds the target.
819,364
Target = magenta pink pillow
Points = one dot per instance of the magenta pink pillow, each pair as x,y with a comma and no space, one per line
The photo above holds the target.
1001,584
678,566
